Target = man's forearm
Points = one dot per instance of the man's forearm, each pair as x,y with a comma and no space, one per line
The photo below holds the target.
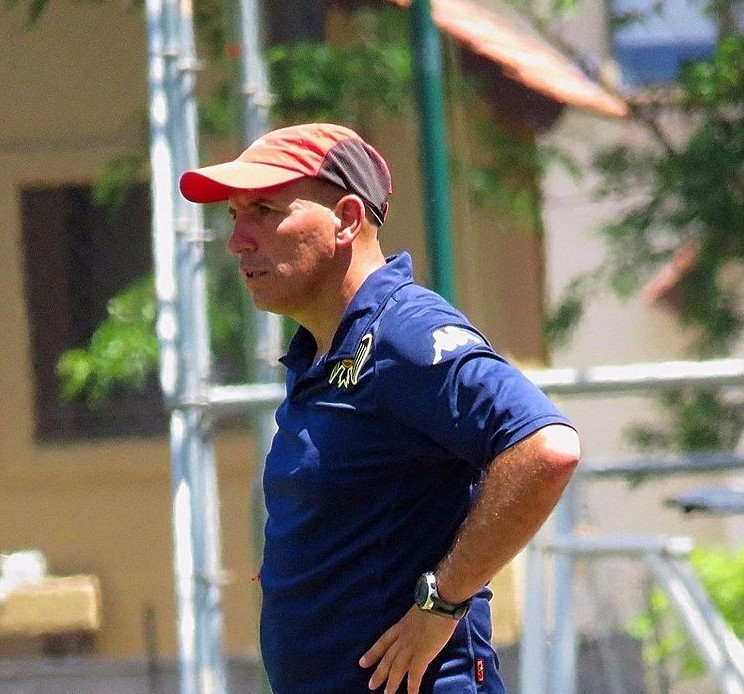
520,489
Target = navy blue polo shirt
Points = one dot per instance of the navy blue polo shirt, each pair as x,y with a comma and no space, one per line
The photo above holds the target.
378,452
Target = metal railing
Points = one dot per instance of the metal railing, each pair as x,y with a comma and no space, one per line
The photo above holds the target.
720,649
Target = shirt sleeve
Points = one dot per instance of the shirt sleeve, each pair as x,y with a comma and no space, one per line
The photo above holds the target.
438,374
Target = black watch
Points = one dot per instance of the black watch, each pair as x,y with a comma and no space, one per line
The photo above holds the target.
427,598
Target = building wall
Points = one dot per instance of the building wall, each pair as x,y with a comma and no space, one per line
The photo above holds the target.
74,93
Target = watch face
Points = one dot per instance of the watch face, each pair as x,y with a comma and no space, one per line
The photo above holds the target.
421,593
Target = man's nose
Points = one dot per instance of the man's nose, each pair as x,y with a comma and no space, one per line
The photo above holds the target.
241,240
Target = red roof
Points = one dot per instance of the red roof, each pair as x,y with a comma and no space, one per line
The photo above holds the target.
662,286
522,55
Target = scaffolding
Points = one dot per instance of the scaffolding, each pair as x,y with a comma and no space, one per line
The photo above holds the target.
185,354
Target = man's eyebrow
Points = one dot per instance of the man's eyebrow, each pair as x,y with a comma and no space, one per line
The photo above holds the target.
251,201
265,200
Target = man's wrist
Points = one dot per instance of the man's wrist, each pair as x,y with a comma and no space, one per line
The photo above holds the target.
427,597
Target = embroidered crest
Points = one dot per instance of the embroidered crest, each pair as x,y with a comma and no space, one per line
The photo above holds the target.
345,373
449,338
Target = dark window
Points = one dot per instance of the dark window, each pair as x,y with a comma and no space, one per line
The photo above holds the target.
653,41
294,21
78,256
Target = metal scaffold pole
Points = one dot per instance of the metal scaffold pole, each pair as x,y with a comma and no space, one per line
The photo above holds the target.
252,102
184,346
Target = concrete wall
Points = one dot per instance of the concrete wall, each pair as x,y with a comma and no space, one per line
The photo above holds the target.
612,332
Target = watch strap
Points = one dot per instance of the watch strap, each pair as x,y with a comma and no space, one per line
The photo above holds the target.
427,598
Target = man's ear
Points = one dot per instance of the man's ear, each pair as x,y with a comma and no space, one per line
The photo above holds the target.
351,214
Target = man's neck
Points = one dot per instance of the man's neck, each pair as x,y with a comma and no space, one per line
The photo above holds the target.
324,323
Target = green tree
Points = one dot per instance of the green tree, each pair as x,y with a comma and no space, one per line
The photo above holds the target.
666,643
691,202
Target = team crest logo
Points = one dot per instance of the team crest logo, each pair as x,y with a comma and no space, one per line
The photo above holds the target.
345,373
449,338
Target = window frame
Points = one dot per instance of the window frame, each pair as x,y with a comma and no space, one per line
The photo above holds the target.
76,257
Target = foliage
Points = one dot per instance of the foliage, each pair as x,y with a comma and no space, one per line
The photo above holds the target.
680,198
694,194
113,186
349,83
123,349
665,642
505,181
698,421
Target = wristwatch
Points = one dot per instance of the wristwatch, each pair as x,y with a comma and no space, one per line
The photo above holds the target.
427,598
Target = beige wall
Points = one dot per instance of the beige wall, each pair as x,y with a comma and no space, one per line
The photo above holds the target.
106,510
74,88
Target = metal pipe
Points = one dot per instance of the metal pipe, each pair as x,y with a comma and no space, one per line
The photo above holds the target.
730,645
663,465
533,658
184,346
607,380
238,398
264,349
598,380
564,650
696,617
427,69
633,546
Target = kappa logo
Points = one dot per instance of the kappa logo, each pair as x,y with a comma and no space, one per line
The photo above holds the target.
449,338
345,373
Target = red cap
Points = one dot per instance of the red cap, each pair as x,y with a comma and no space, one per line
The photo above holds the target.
324,151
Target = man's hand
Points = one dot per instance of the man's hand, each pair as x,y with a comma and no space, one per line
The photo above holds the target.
407,648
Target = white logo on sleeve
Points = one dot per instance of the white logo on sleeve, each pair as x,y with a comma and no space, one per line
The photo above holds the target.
449,338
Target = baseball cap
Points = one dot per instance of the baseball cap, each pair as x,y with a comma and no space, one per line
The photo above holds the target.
325,151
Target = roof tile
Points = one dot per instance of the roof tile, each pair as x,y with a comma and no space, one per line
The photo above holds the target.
522,54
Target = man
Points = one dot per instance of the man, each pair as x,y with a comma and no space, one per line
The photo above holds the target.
411,462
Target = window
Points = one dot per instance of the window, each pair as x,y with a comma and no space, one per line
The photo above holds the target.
77,256
292,21
654,39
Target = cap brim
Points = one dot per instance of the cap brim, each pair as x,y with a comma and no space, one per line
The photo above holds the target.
216,183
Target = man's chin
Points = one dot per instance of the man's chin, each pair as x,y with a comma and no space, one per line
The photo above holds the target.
265,304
